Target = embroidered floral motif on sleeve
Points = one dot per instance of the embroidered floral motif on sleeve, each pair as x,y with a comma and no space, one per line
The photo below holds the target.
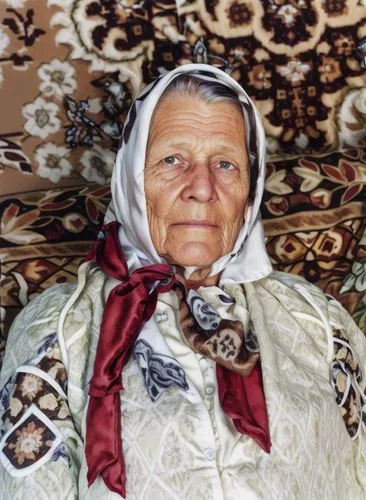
31,389
30,443
31,401
53,366
346,378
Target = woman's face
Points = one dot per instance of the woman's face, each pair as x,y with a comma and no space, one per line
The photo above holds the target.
196,179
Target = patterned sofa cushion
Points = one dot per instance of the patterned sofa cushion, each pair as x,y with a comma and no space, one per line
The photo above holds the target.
44,237
313,215
314,218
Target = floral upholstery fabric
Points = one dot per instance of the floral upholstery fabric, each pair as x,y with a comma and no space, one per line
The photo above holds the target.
44,237
314,218
83,61
313,211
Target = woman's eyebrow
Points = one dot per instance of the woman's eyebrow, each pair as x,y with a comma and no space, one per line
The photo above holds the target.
229,148
174,143
219,145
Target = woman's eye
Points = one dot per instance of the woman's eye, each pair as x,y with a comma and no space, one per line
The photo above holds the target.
170,160
226,165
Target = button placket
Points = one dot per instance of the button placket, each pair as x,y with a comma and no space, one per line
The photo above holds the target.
206,436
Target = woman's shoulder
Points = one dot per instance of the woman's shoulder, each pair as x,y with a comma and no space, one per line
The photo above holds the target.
46,305
294,291
322,328
36,322
42,382
296,282
296,286
40,319
299,295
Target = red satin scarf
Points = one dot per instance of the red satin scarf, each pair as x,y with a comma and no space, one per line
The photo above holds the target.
129,306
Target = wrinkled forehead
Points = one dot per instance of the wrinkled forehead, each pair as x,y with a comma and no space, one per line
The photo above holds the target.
183,119
157,90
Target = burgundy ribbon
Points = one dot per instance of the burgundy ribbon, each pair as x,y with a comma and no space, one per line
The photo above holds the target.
242,398
129,306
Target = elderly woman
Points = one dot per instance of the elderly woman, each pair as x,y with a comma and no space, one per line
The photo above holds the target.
181,366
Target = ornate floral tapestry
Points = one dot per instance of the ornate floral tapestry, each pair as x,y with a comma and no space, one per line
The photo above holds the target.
69,68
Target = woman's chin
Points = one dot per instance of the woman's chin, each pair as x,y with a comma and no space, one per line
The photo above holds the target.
195,254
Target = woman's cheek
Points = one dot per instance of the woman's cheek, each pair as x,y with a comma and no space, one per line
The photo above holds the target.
156,227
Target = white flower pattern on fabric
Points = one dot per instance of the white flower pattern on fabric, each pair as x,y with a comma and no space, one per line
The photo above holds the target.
288,14
294,71
356,280
98,164
52,162
28,443
48,402
30,386
15,407
58,78
41,118
4,41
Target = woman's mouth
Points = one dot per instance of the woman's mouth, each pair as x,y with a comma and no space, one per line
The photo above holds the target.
196,223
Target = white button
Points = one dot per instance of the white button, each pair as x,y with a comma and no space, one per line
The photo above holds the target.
161,317
209,389
209,454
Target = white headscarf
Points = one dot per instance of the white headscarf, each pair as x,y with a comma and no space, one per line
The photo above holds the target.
248,261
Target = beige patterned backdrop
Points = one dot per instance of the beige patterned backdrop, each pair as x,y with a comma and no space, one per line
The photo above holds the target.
68,70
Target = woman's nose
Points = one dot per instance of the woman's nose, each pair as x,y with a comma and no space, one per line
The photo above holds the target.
200,184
